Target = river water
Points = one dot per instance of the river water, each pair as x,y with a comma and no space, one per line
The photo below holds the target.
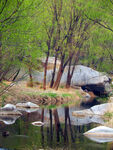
61,131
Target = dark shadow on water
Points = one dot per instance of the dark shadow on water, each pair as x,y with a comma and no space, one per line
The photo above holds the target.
89,103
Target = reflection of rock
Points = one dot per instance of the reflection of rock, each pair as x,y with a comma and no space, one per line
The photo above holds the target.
95,110
82,113
27,105
9,109
9,119
89,103
100,134
100,139
28,110
86,120
38,123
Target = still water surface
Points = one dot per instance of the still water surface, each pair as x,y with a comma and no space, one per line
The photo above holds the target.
61,131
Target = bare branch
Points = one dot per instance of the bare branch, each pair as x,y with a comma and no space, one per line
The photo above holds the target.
99,23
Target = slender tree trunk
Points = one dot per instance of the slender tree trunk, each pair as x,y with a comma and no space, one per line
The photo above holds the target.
71,71
68,75
54,71
45,70
59,75
60,72
30,77
16,75
0,56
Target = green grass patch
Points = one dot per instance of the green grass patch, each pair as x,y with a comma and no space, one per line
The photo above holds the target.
52,95
64,95
78,94
109,115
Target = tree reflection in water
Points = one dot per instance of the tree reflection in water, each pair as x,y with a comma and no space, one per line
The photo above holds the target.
61,129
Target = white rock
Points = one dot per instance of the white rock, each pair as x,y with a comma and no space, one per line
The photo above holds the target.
10,106
101,109
38,123
101,131
9,109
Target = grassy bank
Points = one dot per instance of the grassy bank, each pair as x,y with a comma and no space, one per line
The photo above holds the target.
50,97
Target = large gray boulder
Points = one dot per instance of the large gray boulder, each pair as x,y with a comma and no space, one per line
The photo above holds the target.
83,76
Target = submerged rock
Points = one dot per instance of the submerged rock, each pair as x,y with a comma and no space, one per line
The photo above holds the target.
100,134
27,105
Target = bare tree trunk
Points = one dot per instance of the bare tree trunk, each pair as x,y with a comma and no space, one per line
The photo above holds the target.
71,71
45,70
0,55
31,78
68,75
59,75
60,72
54,71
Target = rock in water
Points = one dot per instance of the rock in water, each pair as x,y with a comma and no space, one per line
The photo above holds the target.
38,123
27,105
9,109
100,134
